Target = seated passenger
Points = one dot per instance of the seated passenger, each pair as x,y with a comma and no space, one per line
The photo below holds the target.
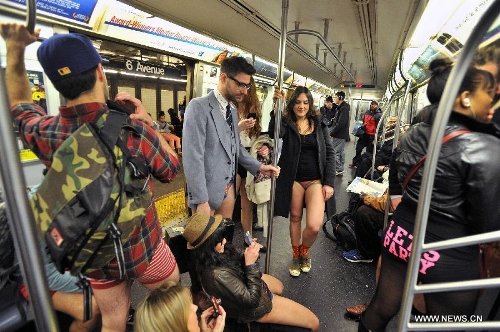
165,129
176,122
234,277
66,295
383,155
369,221
171,308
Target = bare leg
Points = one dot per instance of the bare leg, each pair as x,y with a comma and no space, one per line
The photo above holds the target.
274,284
288,312
296,213
315,207
72,304
227,206
114,304
246,208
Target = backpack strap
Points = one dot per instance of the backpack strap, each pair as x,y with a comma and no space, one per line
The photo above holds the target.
111,129
415,168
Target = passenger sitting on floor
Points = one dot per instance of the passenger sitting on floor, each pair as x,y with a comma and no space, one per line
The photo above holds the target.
234,277
171,308
165,129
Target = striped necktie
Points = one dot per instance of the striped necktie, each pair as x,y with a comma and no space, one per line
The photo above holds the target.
229,117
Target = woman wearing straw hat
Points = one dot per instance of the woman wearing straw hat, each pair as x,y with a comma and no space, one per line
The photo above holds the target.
234,276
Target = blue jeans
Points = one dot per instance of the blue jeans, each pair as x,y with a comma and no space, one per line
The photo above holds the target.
338,148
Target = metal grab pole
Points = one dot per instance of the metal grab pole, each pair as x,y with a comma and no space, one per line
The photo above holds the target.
320,37
277,123
443,113
21,219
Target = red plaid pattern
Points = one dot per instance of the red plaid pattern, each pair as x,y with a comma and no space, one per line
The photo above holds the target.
43,134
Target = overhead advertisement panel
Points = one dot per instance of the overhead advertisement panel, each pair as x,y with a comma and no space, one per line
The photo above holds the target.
74,10
266,69
129,24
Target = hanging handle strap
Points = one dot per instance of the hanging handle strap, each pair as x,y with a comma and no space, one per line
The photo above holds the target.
415,168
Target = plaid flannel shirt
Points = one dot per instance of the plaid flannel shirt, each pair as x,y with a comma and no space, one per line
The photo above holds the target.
43,134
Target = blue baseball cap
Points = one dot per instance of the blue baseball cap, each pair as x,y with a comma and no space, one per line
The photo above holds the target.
66,55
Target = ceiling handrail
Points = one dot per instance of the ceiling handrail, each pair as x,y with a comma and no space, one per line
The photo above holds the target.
317,34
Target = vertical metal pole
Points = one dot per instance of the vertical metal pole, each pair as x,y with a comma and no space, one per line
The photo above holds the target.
444,110
277,116
19,212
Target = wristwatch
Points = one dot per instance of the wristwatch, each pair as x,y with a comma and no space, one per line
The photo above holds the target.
155,125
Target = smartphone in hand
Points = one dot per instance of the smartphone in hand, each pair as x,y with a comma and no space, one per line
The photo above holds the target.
248,238
252,115
215,304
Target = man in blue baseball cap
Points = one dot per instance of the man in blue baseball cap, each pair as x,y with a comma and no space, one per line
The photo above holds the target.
75,68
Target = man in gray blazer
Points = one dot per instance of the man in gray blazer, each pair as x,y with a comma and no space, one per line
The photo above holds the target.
211,142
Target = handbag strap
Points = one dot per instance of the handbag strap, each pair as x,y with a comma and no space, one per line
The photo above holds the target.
415,168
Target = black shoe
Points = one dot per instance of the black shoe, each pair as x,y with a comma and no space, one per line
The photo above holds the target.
257,228
229,230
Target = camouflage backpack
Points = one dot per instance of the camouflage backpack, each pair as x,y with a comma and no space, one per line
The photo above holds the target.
93,197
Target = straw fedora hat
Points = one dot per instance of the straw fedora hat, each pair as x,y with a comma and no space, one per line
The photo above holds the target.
199,228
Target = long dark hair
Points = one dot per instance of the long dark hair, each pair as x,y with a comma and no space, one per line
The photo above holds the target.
290,114
251,103
206,258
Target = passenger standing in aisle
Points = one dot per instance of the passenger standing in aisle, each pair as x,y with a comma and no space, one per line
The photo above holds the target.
212,146
370,121
340,131
328,111
306,158
249,125
75,68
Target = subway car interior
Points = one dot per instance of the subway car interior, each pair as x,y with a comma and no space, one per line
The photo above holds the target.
167,53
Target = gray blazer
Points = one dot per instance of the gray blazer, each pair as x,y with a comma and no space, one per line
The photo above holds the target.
206,152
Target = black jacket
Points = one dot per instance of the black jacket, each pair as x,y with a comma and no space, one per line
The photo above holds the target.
340,128
328,115
289,160
240,290
466,186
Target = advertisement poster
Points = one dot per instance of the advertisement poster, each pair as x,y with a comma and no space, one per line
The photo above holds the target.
38,96
37,88
129,24
74,10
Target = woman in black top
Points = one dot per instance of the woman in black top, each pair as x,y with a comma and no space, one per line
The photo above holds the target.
307,173
464,201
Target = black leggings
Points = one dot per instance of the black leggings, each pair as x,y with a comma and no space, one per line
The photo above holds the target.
389,294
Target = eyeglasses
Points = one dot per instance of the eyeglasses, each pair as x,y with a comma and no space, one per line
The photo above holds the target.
241,85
